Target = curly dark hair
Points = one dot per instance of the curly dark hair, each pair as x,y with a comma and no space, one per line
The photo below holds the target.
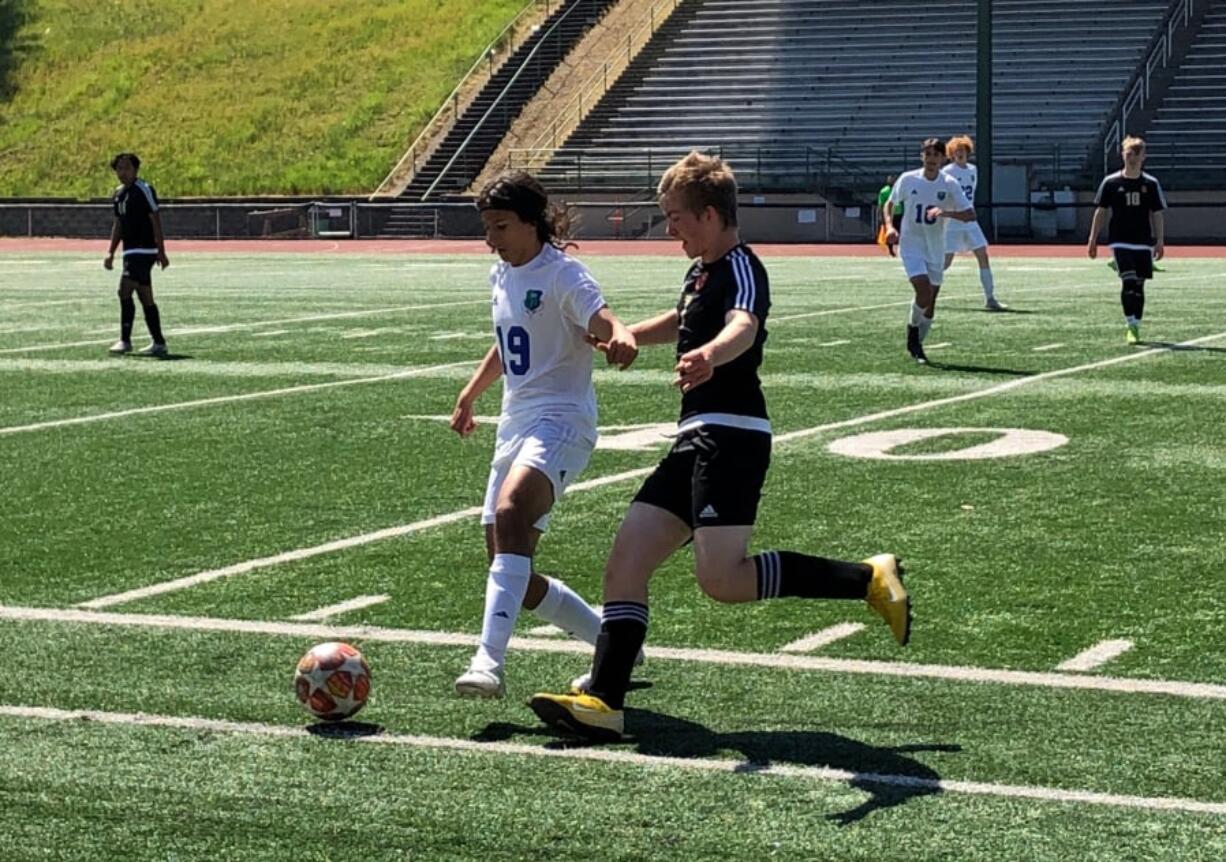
131,157
523,194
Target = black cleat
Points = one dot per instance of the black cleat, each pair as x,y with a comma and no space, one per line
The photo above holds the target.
914,347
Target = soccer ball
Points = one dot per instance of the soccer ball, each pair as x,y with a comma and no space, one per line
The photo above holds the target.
333,681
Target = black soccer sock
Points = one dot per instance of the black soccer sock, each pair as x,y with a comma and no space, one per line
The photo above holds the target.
623,628
127,314
153,320
1132,298
782,574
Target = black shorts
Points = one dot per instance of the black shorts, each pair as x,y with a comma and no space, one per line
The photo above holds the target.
139,268
1134,263
711,477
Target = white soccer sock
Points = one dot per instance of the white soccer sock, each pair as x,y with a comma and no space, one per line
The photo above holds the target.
915,315
924,325
1132,321
985,280
504,593
567,610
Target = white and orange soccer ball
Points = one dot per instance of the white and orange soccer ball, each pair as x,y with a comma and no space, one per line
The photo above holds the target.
333,681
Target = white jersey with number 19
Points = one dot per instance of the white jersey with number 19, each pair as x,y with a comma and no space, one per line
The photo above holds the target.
541,312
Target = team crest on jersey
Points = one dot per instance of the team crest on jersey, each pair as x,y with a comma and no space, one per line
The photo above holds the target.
940,196
701,281
532,300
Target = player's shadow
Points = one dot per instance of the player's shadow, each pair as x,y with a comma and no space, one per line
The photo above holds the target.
978,369
345,729
1192,348
165,357
887,775
979,309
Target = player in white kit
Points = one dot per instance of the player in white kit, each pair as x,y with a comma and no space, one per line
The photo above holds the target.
968,236
925,198
545,304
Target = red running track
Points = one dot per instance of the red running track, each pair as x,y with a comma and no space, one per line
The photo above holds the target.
641,248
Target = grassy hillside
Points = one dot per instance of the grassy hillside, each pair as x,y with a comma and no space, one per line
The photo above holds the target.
226,97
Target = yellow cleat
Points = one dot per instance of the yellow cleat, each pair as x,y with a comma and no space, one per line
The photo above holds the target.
1133,335
888,597
580,714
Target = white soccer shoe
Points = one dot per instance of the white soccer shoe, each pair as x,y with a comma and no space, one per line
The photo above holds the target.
584,683
154,349
120,347
475,682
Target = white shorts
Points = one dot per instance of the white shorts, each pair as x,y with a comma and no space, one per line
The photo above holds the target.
552,445
964,236
917,263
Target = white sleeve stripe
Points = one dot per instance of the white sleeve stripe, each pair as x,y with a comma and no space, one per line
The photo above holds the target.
751,288
144,187
746,289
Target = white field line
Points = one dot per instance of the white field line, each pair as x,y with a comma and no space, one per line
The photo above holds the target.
393,532
80,300
738,768
990,391
837,343
326,548
277,559
339,608
231,327
817,640
546,631
1044,347
727,658
1097,655
943,344
907,303
225,399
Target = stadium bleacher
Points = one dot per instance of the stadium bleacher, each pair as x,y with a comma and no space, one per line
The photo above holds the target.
799,93
1185,140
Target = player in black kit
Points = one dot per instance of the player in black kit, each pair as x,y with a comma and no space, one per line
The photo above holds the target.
1135,233
707,488
138,223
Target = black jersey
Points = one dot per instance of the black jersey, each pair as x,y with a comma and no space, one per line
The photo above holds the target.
133,205
1130,201
733,395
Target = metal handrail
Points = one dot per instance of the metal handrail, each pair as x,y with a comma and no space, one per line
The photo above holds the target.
1138,90
485,58
506,89
591,91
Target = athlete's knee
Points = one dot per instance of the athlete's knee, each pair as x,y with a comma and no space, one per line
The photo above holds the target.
513,525
718,580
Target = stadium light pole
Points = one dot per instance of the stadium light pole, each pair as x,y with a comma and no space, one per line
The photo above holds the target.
983,113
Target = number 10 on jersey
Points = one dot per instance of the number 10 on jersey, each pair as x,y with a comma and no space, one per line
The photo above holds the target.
515,350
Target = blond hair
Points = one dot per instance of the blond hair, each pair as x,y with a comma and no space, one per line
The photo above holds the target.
702,181
960,142
1130,142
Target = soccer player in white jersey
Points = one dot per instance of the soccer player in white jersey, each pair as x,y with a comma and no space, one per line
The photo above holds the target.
968,236
925,197
545,305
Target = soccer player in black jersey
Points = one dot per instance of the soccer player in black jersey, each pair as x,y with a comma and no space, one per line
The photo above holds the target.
707,488
139,225
1136,231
